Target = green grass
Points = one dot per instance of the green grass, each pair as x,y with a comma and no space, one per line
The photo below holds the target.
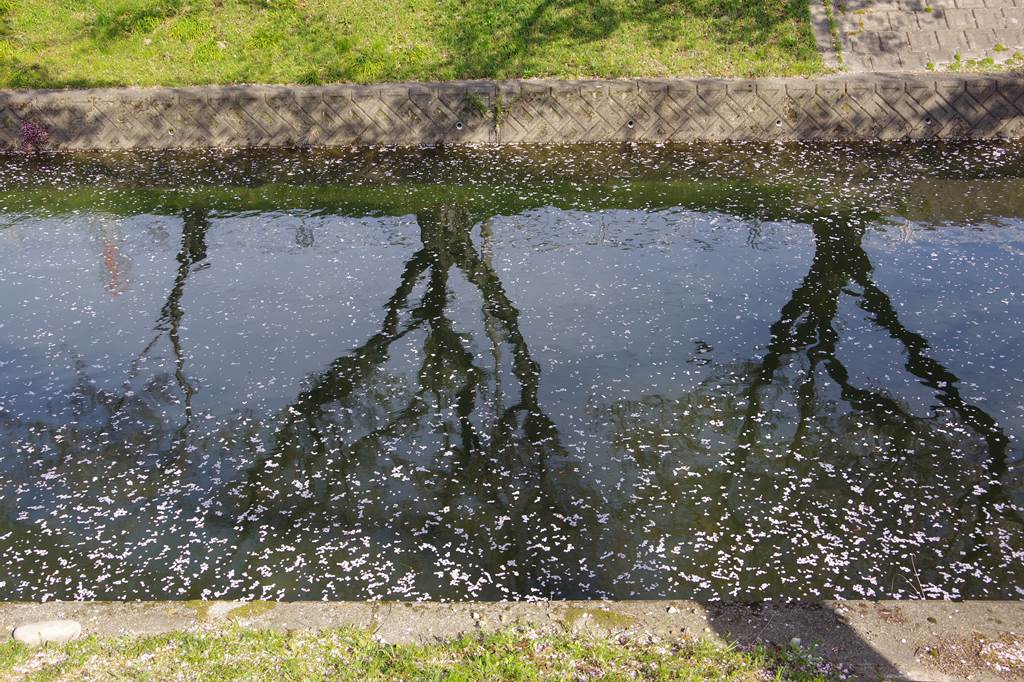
60,43
988,65
513,654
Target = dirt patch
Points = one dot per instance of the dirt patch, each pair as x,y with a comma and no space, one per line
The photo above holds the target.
966,657
891,614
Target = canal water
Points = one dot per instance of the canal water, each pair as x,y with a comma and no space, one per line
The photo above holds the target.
710,372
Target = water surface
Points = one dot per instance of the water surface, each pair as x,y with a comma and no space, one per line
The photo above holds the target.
735,372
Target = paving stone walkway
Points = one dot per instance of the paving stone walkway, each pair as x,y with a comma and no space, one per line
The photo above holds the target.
919,35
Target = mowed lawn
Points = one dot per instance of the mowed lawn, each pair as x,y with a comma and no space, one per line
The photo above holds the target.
60,43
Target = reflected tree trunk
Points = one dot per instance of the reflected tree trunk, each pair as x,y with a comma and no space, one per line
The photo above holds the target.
191,257
498,454
807,326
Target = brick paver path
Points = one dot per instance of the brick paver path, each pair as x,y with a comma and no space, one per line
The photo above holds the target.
908,35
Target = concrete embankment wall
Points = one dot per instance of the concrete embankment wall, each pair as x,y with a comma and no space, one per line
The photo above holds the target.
846,107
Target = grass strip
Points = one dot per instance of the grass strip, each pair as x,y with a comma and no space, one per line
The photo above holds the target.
56,43
516,653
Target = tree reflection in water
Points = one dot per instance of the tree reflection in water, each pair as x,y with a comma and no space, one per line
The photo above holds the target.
787,457
423,464
453,488
191,257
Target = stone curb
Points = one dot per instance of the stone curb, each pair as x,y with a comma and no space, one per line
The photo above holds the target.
844,107
874,640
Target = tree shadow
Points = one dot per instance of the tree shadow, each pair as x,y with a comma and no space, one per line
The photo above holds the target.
17,73
123,20
497,40
822,630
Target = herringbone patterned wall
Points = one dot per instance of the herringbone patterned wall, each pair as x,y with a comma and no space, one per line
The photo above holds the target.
866,107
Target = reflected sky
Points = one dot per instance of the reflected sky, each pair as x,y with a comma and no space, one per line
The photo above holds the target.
752,372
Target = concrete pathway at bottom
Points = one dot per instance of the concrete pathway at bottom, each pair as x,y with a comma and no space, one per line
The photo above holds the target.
906,640
917,35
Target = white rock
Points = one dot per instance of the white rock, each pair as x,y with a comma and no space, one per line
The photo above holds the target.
47,632
672,609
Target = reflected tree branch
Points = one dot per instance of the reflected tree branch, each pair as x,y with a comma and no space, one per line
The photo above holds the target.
503,458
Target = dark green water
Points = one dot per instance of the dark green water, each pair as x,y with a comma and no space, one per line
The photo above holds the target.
739,372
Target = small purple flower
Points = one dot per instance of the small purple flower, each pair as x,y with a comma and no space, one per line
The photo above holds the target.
33,136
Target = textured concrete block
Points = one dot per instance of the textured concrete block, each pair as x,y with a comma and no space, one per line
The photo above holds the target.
1010,38
865,44
960,18
892,41
951,42
915,61
874,21
989,18
931,21
922,40
903,21
1014,16
980,39
842,107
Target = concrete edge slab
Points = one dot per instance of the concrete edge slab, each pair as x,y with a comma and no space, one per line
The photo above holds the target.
886,639
840,107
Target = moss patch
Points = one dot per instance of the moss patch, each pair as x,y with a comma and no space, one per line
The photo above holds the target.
607,619
251,609
201,607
